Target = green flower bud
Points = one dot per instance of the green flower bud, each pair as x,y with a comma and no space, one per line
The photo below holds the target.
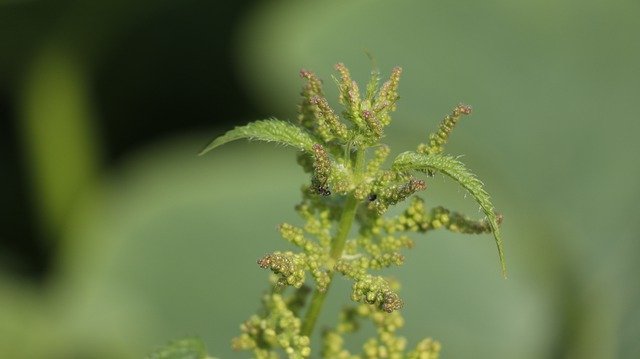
329,124
349,91
388,94
307,112
321,170
438,139
288,266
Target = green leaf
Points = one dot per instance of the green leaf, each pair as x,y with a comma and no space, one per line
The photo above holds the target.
455,169
189,348
271,130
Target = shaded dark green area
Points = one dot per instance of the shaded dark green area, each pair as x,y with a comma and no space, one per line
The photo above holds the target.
142,71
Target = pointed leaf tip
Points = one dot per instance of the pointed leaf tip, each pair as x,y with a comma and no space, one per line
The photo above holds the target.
458,172
271,130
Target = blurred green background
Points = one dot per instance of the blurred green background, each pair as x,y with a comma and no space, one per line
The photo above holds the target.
115,238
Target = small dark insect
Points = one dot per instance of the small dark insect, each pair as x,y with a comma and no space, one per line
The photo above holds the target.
372,197
323,190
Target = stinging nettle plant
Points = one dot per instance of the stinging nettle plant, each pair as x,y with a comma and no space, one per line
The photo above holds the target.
349,187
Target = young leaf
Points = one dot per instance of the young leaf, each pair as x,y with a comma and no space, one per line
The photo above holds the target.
455,169
271,130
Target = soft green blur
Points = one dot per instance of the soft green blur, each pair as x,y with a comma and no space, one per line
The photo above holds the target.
164,245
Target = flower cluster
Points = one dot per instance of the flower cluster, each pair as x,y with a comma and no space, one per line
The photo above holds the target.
349,187
438,139
386,344
279,327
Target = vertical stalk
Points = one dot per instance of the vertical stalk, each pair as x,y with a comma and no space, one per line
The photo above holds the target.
337,246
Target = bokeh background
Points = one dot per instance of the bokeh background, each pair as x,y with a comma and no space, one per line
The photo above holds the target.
115,238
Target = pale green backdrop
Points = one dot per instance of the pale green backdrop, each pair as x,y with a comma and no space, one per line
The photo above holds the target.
164,245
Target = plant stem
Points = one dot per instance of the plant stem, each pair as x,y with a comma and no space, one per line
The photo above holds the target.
337,246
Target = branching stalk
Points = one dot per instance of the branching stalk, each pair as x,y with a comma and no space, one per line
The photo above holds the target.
341,185
337,246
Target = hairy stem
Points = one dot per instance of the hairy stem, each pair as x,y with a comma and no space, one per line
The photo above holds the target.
337,246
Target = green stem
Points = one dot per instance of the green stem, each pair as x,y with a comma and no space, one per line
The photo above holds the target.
337,246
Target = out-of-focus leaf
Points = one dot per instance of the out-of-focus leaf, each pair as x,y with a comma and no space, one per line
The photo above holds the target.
57,124
271,130
458,172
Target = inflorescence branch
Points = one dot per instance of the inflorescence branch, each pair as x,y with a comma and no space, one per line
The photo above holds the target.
349,187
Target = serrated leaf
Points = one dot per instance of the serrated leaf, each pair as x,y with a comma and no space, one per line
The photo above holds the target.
189,348
271,130
457,171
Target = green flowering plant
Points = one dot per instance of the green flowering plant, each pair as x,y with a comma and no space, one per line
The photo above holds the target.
349,187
